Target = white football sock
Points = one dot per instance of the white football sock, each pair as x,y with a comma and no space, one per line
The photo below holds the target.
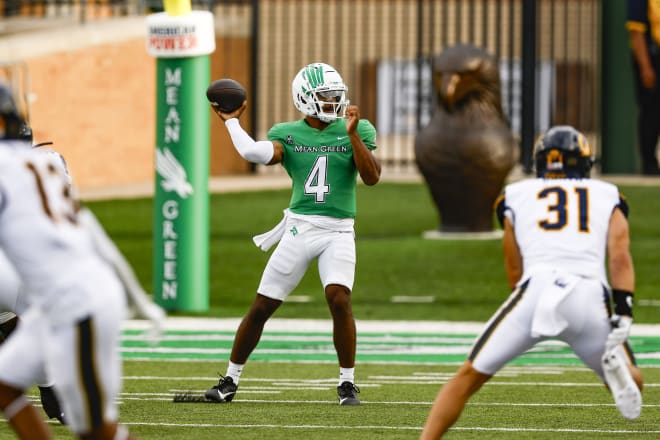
234,371
346,375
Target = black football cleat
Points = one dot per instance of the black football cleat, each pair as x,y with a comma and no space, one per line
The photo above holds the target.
347,394
224,391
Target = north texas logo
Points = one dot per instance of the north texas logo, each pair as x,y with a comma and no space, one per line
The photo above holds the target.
173,175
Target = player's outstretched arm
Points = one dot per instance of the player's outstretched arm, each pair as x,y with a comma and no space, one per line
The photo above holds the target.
137,298
263,152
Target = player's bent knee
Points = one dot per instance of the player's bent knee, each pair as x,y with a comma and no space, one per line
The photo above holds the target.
471,376
337,295
263,308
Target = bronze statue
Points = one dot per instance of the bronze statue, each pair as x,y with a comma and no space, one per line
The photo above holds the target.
467,150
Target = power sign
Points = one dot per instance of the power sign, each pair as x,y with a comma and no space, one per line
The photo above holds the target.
182,45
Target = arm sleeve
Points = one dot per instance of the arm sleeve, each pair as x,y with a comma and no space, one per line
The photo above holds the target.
138,300
367,133
500,208
637,19
623,205
249,149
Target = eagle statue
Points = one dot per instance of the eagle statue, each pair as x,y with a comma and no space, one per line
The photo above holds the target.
467,149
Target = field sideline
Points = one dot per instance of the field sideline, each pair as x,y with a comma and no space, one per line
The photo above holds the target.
280,180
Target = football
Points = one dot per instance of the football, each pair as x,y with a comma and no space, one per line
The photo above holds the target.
226,94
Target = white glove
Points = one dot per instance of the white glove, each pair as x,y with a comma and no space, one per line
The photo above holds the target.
156,316
620,331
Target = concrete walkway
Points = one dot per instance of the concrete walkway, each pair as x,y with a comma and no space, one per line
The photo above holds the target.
325,325
280,180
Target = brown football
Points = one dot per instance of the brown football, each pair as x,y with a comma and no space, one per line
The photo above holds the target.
226,94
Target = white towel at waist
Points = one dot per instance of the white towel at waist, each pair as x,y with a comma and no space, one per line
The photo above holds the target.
266,240
546,320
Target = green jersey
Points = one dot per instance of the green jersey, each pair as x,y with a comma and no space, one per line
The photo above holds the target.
321,166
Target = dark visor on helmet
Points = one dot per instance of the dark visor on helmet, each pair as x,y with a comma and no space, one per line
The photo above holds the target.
328,94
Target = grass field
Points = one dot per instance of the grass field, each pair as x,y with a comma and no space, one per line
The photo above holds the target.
287,400
547,395
465,278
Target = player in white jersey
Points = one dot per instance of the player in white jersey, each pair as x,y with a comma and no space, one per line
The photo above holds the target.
70,330
13,301
558,230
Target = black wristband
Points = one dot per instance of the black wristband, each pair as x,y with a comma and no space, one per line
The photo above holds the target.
623,302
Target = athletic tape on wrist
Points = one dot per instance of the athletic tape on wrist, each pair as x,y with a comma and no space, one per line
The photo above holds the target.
623,302
16,406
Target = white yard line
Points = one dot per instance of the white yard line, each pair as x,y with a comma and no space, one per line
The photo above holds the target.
384,428
323,325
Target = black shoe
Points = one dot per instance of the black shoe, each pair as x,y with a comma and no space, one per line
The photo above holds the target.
222,392
50,404
347,394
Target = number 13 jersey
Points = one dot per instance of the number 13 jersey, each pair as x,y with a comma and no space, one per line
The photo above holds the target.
40,232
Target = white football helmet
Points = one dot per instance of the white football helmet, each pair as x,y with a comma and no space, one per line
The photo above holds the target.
315,82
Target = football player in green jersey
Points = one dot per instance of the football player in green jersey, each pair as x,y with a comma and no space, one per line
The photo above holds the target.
322,153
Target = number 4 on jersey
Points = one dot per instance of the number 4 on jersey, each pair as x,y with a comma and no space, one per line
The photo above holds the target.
316,180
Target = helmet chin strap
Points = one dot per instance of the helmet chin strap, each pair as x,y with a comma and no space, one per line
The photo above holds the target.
42,144
326,119
325,116
339,112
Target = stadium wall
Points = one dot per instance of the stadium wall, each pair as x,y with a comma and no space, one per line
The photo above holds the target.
92,93
93,82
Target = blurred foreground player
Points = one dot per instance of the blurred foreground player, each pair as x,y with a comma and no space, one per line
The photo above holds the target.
70,329
13,300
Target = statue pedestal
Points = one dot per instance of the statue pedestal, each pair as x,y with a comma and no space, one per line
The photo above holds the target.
484,235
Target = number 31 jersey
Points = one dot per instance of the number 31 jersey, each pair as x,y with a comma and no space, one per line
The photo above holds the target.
561,223
321,166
